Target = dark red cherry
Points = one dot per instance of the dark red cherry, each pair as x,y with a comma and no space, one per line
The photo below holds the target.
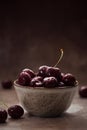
83,91
3,116
50,82
54,72
15,111
69,80
7,84
30,72
43,71
37,81
24,79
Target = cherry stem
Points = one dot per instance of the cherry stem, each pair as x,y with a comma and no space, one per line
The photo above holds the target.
2,103
61,50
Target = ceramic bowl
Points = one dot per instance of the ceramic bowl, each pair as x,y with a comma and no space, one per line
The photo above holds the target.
45,102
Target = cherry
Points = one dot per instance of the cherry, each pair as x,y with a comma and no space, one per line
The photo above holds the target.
7,84
50,82
36,81
30,72
69,80
83,91
24,79
43,71
54,72
15,111
3,115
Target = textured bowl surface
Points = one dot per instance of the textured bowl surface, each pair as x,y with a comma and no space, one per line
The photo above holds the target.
45,102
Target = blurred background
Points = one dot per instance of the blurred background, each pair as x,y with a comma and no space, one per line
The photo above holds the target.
32,33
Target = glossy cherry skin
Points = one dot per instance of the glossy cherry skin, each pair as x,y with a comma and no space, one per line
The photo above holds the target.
24,79
15,111
7,84
50,82
69,80
3,115
54,72
37,81
61,84
37,84
83,91
42,71
30,72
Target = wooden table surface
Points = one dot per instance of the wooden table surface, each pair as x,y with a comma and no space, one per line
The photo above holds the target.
74,119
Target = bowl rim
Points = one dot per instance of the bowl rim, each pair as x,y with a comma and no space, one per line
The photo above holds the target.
44,88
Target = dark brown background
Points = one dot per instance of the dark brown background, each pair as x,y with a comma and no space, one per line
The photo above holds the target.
31,34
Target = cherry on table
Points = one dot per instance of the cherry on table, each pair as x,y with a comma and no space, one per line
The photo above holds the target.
7,84
83,91
15,111
3,115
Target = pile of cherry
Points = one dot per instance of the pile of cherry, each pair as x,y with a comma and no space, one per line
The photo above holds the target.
15,112
46,76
